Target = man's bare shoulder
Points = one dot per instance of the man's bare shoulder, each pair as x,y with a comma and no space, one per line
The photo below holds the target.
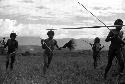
46,40
112,30
122,32
16,41
8,40
54,39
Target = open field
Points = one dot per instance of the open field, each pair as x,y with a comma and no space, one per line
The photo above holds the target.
65,68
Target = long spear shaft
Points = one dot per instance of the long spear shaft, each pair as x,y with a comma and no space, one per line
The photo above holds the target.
93,14
86,42
100,21
46,45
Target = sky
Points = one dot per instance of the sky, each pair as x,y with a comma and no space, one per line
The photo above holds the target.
33,17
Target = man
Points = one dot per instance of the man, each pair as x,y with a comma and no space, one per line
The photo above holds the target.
48,46
2,47
3,41
96,48
12,45
115,36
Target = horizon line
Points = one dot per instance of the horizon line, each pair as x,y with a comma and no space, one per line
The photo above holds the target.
54,38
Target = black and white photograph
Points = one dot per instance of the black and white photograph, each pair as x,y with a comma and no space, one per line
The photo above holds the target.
62,41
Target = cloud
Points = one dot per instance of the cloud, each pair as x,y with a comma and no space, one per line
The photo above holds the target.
35,16
27,1
39,30
6,26
101,8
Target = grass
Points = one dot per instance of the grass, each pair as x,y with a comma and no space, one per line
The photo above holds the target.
65,68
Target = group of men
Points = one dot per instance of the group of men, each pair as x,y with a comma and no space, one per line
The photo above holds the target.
115,36
115,49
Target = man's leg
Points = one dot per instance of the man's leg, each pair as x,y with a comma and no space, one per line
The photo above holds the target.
123,53
95,61
110,59
12,61
45,63
95,58
120,61
7,62
49,59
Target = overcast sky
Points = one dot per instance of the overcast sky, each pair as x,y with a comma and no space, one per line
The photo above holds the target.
32,17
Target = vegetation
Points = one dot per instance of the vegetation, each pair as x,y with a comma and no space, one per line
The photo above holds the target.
66,68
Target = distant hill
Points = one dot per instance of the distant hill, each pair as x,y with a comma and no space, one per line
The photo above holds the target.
30,42
30,48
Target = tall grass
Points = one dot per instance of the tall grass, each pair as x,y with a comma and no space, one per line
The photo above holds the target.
63,70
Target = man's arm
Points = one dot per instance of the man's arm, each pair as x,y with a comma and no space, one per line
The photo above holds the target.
93,47
91,44
57,45
43,43
109,37
6,44
101,47
16,46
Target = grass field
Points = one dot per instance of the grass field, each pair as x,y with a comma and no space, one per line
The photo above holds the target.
65,68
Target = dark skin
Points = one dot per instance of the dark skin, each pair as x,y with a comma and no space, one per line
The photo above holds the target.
115,32
11,51
115,36
96,55
12,38
50,38
48,53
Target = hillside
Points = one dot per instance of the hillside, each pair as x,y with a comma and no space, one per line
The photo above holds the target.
79,43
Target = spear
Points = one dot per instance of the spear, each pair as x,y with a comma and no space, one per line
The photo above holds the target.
93,14
87,42
46,44
99,20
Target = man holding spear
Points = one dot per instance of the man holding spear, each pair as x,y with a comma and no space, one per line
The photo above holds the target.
96,48
12,45
115,36
48,46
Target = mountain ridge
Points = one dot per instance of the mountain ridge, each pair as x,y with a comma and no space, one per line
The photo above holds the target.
80,44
